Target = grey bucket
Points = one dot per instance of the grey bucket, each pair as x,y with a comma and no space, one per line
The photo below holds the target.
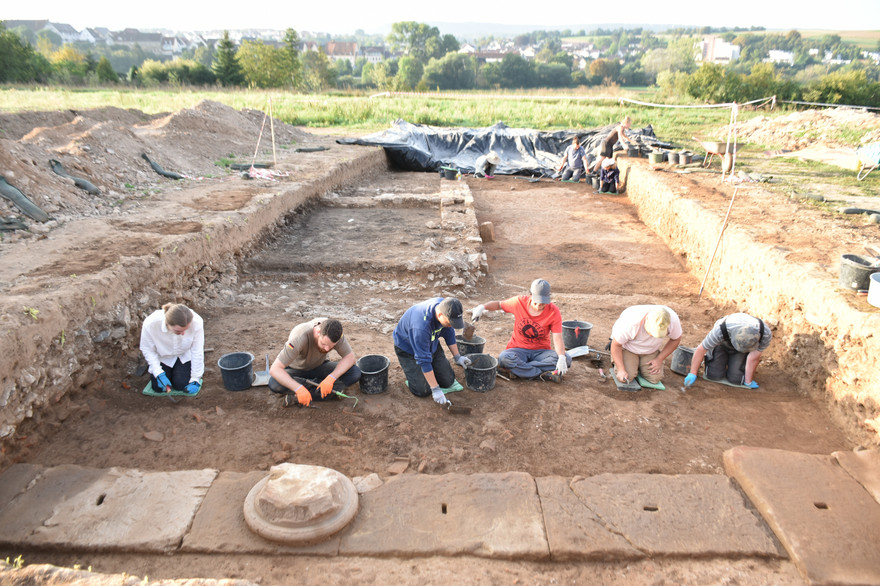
596,182
684,158
681,360
237,370
374,373
472,346
575,333
480,375
673,157
855,271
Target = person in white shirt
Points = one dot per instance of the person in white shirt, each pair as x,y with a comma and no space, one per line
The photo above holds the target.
173,344
641,339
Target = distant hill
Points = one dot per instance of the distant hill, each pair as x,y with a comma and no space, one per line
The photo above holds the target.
476,30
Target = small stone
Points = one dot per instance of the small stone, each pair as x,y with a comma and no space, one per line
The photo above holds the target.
219,411
365,484
399,466
154,436
280,456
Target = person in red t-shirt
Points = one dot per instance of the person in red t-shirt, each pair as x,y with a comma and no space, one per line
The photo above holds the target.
537,322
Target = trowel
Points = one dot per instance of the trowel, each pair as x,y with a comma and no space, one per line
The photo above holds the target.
469,328
456,409
261,378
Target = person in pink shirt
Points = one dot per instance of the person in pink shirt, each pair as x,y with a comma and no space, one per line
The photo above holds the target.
535,349
641,339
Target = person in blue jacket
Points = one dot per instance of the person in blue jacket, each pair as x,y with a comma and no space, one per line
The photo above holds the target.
417,345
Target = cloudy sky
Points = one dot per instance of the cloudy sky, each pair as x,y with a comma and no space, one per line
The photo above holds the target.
346,16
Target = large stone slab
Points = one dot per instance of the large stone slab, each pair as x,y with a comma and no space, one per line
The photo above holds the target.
219,526
490,515
864,466
574,532
15,480
681,515
827,522
112,509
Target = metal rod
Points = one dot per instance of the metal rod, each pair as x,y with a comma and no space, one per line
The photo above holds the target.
718,242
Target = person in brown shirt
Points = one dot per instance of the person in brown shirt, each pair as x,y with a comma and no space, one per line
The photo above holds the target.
302,371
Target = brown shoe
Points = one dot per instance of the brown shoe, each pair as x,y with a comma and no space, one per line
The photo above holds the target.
505,372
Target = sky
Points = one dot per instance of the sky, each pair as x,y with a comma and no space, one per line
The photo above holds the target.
347,16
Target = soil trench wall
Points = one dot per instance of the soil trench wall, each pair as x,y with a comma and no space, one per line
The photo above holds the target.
72,340
820,339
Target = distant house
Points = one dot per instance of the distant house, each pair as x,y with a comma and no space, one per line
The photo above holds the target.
467,48
714,49
310,46
489,56
777,56
342,51
67,33
149,42
373,54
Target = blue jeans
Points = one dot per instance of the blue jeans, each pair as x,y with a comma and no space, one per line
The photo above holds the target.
572,174
526,363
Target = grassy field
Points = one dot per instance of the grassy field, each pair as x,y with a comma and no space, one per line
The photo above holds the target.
359,113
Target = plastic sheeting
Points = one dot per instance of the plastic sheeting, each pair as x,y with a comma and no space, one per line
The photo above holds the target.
415,147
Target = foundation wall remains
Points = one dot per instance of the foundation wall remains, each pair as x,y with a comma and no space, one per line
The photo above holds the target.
821,339
70,341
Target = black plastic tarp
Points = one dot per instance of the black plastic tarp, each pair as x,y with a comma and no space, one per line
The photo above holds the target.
415,147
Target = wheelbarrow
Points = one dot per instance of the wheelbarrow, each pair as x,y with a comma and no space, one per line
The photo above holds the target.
722,150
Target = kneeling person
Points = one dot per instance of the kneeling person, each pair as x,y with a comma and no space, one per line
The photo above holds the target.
304,359
641,339
732,350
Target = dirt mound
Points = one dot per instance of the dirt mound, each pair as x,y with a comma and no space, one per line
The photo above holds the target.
800,130
104,147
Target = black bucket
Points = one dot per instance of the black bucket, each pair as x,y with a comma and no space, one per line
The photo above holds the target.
472,346
449,172
855,271
681,360
374,373
632,152
480,375
237,370
575,333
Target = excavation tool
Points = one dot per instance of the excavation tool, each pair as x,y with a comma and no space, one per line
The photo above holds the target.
261,378
314,385
456,409
468,332
584,350
596,361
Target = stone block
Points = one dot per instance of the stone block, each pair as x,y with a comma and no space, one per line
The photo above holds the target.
489,515
70,507
680,515
574,532
825,519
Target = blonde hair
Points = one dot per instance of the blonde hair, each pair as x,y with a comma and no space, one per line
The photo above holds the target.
627,121
177,314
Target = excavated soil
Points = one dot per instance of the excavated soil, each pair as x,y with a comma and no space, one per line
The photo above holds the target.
362,252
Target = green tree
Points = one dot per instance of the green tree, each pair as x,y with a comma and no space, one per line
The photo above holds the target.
605,71
409,73
105,71
516,72
226,66
318,72
263,66
552,75
294,63
454,71
413,39
19,63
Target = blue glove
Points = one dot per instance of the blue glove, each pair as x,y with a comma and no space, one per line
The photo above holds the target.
690,379
462,361
193,388
751,385
163,381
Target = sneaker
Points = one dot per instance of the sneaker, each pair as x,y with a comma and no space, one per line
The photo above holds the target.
289,400
550,376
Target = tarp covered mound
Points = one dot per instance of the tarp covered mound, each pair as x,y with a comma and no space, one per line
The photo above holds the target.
414,147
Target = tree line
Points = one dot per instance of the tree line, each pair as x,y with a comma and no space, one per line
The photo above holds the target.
426,60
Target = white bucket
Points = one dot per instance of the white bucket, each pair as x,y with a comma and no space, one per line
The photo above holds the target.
874,290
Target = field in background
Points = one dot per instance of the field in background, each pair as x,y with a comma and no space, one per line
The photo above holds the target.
353,113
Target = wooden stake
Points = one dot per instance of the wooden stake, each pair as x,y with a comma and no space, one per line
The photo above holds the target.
721,233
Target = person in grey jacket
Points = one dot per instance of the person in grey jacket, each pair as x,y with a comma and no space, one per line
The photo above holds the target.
732,350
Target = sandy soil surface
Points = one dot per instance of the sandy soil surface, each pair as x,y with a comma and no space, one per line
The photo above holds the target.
597,255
